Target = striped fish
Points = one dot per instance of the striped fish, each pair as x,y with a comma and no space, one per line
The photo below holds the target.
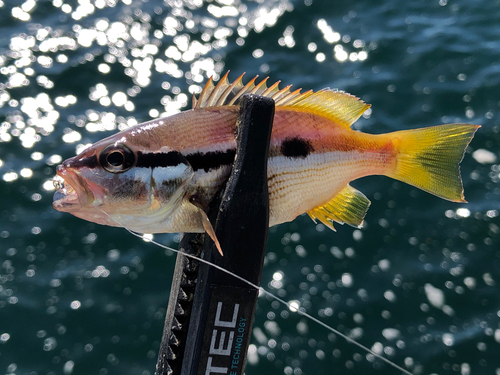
160,176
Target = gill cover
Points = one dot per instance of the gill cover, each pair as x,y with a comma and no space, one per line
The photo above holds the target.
171,177
172,180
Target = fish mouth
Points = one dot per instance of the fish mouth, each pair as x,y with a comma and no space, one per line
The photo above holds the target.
65,194
72,191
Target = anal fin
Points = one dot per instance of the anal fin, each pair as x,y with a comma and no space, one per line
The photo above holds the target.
348,206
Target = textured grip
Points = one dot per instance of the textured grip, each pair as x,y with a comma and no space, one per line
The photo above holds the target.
180,305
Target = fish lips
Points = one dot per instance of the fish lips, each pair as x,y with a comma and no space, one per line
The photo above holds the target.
73,192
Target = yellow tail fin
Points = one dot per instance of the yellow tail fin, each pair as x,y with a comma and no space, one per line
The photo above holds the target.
428,158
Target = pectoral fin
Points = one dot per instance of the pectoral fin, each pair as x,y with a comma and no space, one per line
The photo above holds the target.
207,225
348,206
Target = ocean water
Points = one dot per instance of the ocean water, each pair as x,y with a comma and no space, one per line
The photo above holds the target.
420,283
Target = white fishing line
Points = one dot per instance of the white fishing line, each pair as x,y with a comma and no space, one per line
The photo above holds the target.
300,310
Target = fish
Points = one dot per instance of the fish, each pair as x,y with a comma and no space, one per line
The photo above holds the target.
160,176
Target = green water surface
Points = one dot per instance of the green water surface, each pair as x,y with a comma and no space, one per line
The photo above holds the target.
419,283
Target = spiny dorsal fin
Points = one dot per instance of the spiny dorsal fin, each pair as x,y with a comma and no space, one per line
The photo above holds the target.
349,206
338,106
205,93
226,93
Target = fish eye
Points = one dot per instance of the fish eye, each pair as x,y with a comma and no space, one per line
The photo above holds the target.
116,158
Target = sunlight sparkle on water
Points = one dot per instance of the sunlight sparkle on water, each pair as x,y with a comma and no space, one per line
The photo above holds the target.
48,185
64,101
26,173
329,34
10,176
287,39
54,159
448,339
347,280
339,51
119,98
36,155
20,14
100,271
294,305
71,136
225,11
484,156
4,337
320,57
98,92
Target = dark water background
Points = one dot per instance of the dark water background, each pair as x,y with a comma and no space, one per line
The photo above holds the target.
419,283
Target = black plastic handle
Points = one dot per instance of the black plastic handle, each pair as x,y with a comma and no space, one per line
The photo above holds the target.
210,313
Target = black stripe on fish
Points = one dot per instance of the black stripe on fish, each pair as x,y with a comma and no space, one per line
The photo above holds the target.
206,161
160,159
296,147
211,160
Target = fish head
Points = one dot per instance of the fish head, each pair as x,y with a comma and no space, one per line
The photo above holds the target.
117,183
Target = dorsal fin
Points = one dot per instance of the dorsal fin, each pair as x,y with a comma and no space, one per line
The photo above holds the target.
348,206
218,91
205,93
338,106
226,93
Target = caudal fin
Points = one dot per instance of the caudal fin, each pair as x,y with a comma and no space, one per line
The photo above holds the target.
428,158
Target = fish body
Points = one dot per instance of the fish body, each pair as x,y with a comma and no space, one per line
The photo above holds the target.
160,176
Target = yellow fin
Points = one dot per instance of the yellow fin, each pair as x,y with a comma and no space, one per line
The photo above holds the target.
428,158
338,106
348,206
